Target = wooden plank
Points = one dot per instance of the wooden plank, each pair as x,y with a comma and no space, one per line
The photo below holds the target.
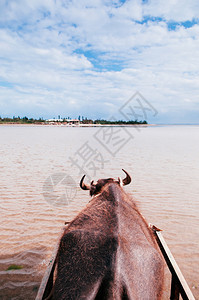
177,276
47,281
175,293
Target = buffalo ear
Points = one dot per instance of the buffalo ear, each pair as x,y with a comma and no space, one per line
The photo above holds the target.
92,189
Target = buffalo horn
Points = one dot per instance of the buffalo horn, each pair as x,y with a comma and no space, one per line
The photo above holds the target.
126,180
83,185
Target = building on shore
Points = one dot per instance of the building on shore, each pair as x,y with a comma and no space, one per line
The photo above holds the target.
63,121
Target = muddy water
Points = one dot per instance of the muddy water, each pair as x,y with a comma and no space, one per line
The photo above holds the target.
40,168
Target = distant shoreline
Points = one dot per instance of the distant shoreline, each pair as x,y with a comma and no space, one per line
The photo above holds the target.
85,122
80,125
93,125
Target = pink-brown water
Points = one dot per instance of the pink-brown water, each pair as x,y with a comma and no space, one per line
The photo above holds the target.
162,160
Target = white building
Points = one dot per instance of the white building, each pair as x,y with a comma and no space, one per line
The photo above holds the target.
69,121
54,120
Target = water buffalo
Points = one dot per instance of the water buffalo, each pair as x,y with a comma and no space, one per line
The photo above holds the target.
108,251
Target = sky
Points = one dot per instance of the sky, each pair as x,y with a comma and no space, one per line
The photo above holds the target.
90,58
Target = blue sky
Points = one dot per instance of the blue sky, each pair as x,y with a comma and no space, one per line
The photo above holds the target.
88,58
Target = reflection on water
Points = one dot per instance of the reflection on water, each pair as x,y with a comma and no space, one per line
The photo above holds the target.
163,162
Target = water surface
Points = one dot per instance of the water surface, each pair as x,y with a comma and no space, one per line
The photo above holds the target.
163,162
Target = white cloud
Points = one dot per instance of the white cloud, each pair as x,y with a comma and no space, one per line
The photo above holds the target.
176,10
83,57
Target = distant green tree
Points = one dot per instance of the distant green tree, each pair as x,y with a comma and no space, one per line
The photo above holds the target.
24,119
87,121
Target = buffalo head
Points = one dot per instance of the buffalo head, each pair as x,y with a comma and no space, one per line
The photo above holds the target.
96,188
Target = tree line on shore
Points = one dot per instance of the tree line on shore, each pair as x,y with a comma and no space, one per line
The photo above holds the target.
26,120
